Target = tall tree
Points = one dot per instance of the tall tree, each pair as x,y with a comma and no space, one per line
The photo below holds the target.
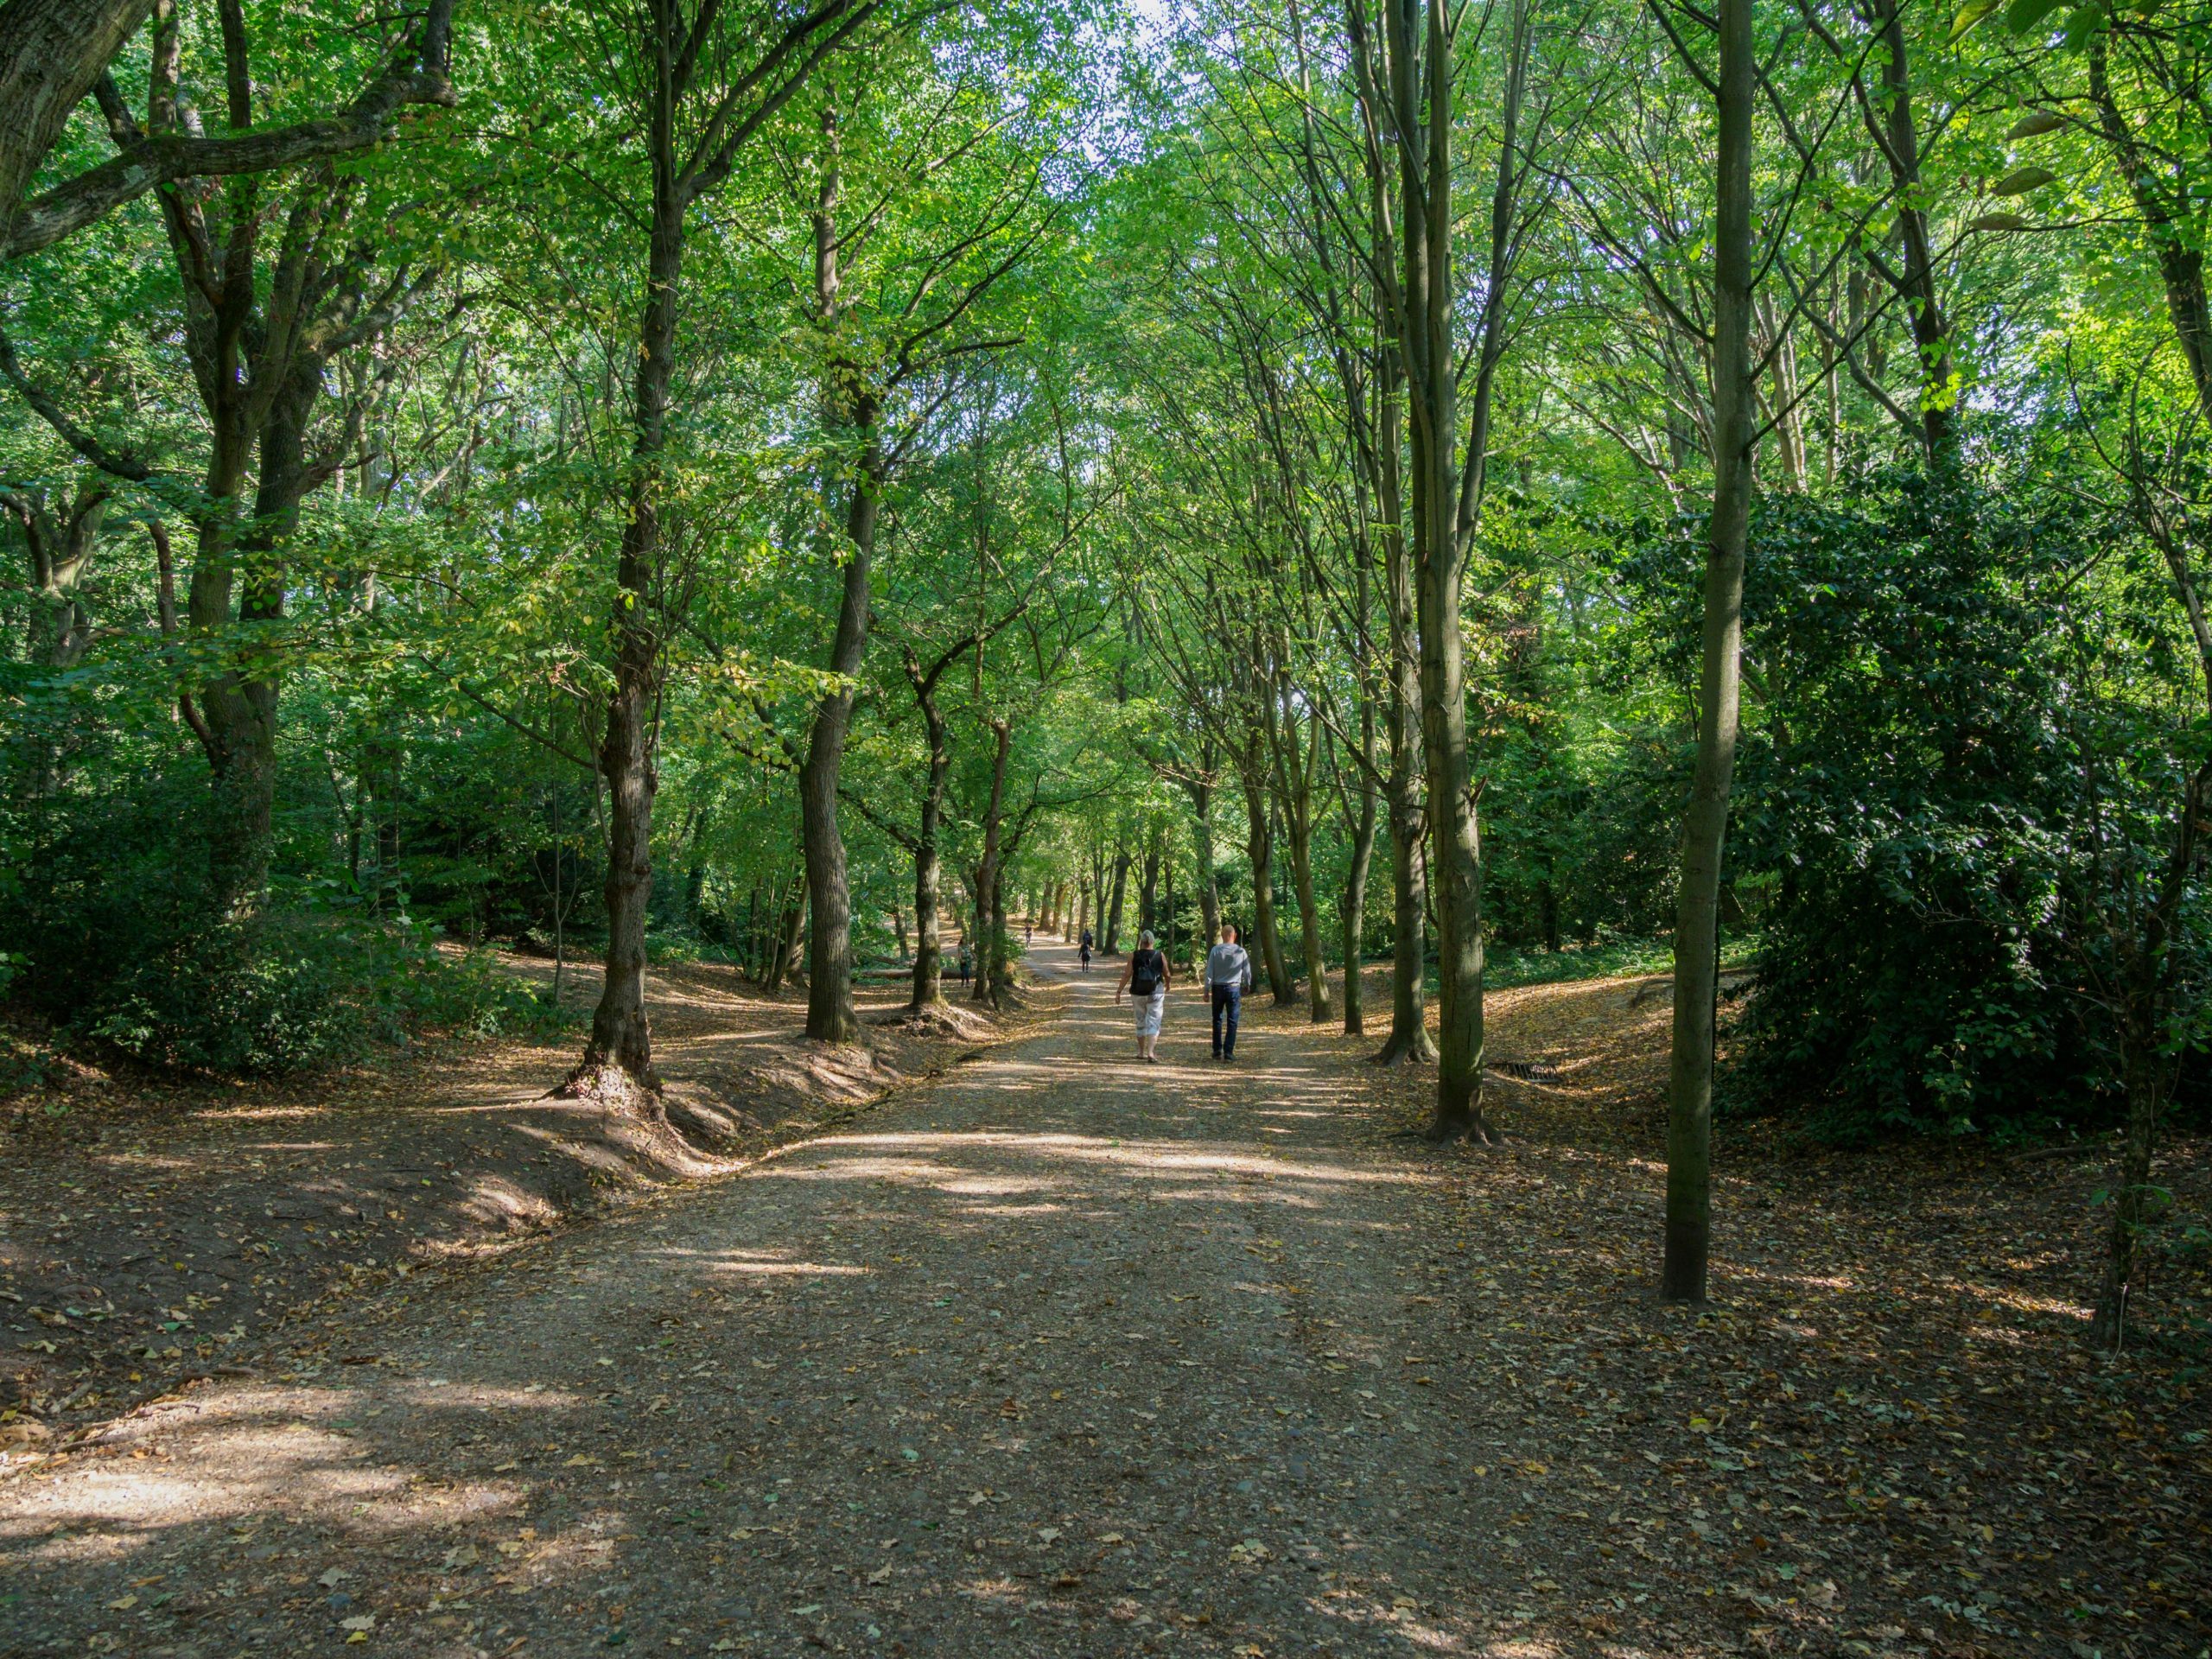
703,83
1408,81
1705,830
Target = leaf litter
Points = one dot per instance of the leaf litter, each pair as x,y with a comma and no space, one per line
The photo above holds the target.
1413,1397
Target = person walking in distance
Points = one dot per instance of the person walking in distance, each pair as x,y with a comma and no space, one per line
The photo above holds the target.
1083,951
1229,975
1146,981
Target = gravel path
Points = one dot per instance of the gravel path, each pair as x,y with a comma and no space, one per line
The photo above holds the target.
1062,1354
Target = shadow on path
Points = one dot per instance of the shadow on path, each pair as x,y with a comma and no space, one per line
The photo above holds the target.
1064,1354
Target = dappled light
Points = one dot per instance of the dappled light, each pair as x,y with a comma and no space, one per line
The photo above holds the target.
1114,1365
1105,830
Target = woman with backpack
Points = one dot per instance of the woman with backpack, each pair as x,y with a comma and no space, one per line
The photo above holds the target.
1146,981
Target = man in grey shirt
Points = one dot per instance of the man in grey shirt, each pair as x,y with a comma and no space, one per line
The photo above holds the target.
1229,975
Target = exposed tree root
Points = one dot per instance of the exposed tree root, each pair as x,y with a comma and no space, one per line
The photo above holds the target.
1410,1051
940,1019
608,1085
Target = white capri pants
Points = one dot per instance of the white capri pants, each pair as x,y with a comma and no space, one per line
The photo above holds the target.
1149,1010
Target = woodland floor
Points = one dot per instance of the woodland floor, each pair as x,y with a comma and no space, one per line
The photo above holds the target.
151,1232
1063,1355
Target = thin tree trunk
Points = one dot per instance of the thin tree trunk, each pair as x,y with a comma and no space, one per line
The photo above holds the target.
1259,849
1299,825
1112,941
1705,830
1446,491
829,1013
1353,907
1202,846
787,935
1294,779
929,959
990,934
1148,886
929,951
621,1037
1002,976
1931,334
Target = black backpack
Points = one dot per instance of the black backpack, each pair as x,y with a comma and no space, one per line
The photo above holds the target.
1144,972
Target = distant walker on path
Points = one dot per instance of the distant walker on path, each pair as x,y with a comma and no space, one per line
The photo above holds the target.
1083,951
1146,981
1229,975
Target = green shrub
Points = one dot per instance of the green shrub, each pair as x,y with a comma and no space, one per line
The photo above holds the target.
1961,747
292,992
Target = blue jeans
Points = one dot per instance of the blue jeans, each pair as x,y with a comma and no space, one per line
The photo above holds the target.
1227,998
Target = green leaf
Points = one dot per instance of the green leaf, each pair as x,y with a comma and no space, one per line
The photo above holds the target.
2036,121
1998,222
2021,15
2021,181
2085,21
1970,14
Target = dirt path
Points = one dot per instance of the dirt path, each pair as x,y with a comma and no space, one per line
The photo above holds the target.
1068,1356
1063,1355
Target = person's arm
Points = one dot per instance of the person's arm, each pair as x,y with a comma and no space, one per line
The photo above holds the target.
1122,984
1247,975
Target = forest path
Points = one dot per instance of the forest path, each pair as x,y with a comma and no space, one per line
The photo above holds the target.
1065,1354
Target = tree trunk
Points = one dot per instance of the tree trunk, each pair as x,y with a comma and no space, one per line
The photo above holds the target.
1297,816
1294,779
988,926
1112,941
2144,1068
1259,849
929,957
1353,908
830,1014
2169,218
1167,919
1931,334
1705,830
1148,886
1408,823
1409,1038
1002,976
1455,862
786,940
929,951
621,1038
1446,491
1202,845
695,878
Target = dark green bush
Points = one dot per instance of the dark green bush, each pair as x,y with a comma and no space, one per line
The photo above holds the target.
1947,741
290,992
108,931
